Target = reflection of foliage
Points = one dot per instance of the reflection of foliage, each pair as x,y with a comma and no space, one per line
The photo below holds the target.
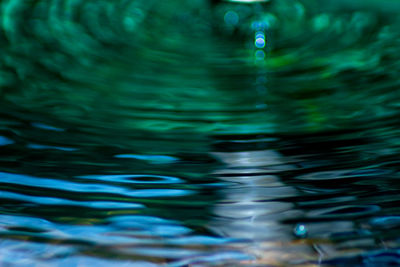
173,66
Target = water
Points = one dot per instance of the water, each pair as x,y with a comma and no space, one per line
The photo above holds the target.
199,133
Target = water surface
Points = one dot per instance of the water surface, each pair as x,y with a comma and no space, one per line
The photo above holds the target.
199,133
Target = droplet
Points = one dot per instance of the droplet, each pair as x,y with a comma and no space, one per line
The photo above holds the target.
231,18
260,43
300,230
260,55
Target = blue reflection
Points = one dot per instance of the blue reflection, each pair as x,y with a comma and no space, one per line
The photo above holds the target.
46,127
37,146
151,225
215,258
154,159
385,222
67,202
201,240
23,253
4,141
127,219
135,178
91,261
25,221
171,253
89,188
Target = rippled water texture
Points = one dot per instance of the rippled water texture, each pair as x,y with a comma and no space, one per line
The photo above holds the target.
199,133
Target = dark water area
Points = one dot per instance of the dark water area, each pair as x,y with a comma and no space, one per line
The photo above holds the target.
199,133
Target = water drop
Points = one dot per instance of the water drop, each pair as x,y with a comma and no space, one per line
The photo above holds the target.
300,230
231,18
260,55
260,43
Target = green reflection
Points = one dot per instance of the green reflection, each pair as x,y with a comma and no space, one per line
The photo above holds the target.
202,66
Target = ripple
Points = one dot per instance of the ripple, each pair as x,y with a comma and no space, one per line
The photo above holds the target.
66,202
135,178
386,222
350,235
14,252
377,258
345,211
90,261
220,258
123,45
37,146
4,141
155,159
46,127
174,133
344,174
40,183
150,225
